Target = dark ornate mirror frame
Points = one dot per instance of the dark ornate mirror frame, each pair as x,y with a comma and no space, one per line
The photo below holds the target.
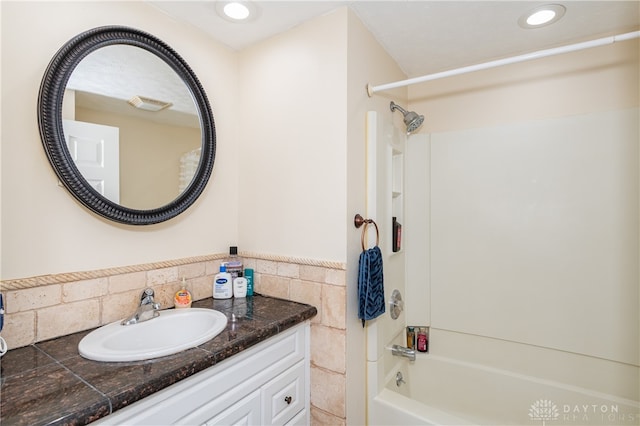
50,122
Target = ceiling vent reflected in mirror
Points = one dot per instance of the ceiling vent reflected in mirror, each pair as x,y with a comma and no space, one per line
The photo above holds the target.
148,104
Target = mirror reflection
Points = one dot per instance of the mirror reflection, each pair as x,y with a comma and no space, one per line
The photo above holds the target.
131,126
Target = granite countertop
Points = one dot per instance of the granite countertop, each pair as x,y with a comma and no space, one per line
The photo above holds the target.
49,383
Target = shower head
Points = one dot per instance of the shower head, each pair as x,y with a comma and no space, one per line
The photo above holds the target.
411,119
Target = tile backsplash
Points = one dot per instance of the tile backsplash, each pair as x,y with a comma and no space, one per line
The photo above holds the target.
41,308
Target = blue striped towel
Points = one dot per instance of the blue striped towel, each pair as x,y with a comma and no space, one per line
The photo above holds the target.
370,285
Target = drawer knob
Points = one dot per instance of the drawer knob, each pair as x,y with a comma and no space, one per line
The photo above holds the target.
288,399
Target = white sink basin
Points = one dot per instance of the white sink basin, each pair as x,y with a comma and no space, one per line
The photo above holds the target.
173,331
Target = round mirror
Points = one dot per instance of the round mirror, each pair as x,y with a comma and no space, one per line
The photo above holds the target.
126,125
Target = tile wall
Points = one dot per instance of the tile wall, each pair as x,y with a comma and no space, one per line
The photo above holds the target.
45,307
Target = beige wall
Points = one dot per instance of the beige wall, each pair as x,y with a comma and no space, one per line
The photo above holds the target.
597,79
44,230
149,157
292,160
291,169
302,168
288,179
281,158
368,63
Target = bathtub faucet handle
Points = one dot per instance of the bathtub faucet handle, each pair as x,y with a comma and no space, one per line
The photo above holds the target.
396,304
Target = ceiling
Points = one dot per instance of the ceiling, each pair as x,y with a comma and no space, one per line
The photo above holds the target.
424,36
107,78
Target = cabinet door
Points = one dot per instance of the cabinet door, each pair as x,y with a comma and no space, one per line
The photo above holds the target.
245,412
284,396
301,419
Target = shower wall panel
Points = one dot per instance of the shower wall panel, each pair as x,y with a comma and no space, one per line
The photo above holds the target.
534,233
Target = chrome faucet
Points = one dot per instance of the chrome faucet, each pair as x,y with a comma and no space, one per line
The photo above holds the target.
398,350
147,310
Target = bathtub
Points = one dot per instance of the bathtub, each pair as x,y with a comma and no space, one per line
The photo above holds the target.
444,391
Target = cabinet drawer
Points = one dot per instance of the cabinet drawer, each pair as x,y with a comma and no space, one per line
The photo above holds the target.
284,396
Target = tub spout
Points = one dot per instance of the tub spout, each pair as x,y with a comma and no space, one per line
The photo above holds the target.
398,350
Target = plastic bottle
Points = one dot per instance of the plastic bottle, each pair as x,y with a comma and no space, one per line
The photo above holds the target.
240,286
248,274
423,340
182,298
234,264
222,284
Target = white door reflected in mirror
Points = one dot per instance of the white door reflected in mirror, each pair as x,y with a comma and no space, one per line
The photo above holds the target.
95,149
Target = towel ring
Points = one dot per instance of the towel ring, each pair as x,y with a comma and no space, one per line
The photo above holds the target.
358,221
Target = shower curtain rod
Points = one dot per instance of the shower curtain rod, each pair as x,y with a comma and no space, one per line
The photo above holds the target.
506,61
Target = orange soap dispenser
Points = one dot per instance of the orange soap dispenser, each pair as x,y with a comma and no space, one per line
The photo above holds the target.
182,299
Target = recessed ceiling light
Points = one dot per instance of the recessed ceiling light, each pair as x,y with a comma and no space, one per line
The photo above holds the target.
542,16
237,11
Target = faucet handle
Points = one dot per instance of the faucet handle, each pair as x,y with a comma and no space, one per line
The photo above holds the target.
396,304
146,298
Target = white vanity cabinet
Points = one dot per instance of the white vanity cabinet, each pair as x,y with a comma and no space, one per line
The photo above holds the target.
267,384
